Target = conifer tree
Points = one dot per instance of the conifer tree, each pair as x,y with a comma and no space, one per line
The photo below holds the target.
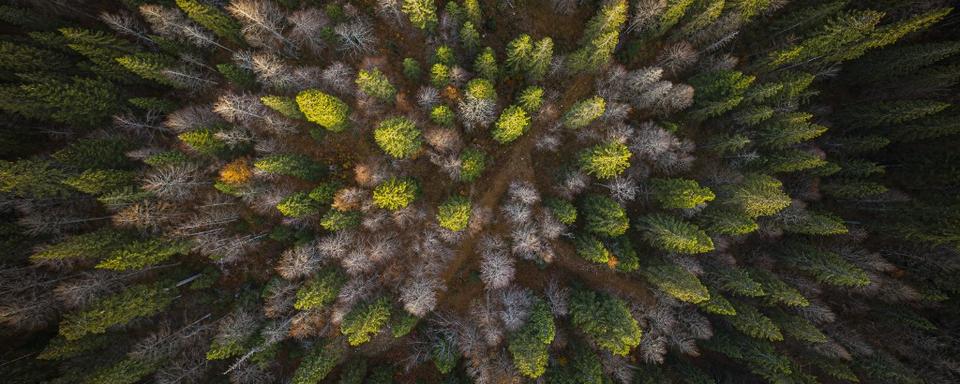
395,193
150,66
677,282
212,18
603,216
144,253
320,290
472,9
472,163
750,321
295,165
591,249
118,309
78,101
94,245
601,37
321,108
454,214
529,344
398,137
606,320
298,205
561,209
584,112
31,178
680,193
758,195
512,124
674,235
469,37
285,106
318,364
486,64
530,99
422,13
519,52
375,84
605,161
365,320
100,181
336,220
827,267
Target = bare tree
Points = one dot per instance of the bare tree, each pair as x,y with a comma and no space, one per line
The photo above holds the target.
677,57
126,24
428,97
299,262
174,182
419,295
190,118
477,112
356,36
272,71
338,76
645,14
496,265
516,303
558,297
263,23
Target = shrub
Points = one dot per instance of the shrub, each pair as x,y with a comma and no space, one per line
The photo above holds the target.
398,137
323,109
395,193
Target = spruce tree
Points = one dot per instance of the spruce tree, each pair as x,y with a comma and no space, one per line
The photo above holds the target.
323,109
398,137
603,216
512,124
680,193
294,165
320,290
674,235
529,344
375,84
422,13
118,309
606,320
584,112
212,18
605,161
365,320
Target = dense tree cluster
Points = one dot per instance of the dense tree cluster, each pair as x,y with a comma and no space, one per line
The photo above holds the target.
466,191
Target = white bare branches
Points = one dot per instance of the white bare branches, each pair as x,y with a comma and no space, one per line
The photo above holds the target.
307,29
263,23
174,182
299,262
662,149
496,265
356,36
190,118
338,76
419,295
